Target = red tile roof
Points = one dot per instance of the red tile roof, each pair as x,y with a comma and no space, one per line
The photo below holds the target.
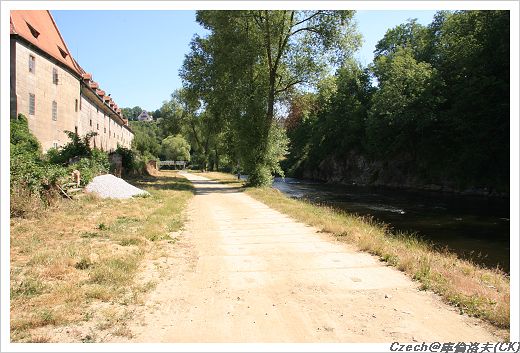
24,23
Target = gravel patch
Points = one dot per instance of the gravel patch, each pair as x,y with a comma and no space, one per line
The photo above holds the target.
110,186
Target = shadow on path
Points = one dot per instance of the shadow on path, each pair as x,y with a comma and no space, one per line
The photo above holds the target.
162,182
206,187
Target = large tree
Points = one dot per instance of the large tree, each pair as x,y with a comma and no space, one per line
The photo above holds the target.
175,148
252,60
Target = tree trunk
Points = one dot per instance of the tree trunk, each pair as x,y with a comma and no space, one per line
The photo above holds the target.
217,159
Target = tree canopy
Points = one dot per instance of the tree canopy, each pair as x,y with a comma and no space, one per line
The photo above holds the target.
175,148
253,60
269,92
436,98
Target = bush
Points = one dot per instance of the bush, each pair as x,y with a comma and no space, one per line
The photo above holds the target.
134,162
32,178
22,138
78,147
127,156
92,161
91,167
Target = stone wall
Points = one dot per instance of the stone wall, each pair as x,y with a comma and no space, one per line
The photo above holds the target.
40,83
75,111
95,116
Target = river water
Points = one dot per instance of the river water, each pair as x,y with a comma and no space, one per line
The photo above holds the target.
474,227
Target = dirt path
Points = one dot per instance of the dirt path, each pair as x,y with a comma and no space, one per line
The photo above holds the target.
252,274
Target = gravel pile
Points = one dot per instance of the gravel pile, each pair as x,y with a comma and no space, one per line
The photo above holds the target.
110,186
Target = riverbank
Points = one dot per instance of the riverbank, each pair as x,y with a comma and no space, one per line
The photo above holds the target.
77,263
474,290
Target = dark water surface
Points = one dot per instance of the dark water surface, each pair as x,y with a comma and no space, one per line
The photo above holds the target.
474,227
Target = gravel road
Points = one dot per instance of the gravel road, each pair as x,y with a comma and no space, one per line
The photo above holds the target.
252,274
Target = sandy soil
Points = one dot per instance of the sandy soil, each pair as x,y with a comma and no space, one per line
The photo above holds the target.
252,274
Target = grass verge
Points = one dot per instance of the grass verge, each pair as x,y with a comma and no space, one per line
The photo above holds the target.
81,253
476,291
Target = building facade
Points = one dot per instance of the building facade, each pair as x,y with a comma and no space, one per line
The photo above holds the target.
52,90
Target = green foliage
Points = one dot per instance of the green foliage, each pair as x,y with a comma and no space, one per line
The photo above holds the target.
262,173
131,113
439,104
405,105
78,147
127,157
21,138
175,148
252,60
147,138
89,167
31,177
34,177
27,168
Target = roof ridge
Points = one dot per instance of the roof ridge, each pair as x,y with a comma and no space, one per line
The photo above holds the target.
13,28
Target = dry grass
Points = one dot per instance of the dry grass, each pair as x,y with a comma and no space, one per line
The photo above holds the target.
476,291
79,253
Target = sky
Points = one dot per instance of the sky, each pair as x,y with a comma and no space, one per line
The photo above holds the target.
136,55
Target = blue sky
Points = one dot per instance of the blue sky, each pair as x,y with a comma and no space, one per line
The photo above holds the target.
136,55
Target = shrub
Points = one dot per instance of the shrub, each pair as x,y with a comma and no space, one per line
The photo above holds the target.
127,156
78,147
22,138
32,178
91,166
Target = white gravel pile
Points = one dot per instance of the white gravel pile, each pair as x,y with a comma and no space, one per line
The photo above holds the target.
110,186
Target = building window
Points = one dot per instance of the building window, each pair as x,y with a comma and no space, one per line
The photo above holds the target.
32,63
76,105
98,126
55,76
105,130
76,129
90,122
55,144
32,104
54,110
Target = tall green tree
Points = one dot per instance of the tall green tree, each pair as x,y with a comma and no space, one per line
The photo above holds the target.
147,138
175,148
438,105
131,113
473,60
253,60
404,106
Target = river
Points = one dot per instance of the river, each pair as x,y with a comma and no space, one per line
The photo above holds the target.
474,227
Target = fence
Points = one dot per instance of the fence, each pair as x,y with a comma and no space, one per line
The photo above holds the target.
171,163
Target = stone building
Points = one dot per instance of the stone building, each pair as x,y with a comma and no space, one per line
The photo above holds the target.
52,90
